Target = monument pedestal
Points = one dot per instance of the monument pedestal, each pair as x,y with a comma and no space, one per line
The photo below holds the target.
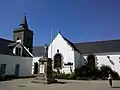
45,74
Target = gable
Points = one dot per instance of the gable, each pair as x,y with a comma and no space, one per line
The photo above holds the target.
25,52
61,46
60,39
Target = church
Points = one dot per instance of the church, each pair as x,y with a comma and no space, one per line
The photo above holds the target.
20,58
67,56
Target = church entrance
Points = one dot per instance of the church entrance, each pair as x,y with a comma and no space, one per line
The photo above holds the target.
58,61
35,68
91,60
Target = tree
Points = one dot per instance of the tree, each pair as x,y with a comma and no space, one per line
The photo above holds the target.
104,72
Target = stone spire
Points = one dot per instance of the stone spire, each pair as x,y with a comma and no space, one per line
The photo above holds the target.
24,23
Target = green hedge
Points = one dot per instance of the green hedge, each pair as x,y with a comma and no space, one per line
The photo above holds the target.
64,76
87,73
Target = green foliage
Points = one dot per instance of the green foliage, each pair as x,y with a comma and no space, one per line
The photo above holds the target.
64,76
88,73
104,72
95,73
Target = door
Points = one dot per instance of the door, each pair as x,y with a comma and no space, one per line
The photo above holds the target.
3,67
35,68
42,68
17,67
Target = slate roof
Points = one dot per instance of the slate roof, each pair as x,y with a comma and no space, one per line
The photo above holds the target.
87,47
71,44
4,46
12,44
38,51
99,46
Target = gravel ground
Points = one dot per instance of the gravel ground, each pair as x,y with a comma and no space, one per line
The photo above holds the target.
25,84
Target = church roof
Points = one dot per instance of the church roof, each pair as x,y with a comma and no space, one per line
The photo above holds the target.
99,46
87,47
71,44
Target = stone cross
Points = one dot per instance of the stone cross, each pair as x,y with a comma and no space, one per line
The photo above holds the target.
45,50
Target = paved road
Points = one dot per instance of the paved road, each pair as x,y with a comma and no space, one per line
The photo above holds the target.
25,84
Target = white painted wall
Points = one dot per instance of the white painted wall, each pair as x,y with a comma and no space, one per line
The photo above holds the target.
77,60
10,61
101,59
35,59
65,49
83,60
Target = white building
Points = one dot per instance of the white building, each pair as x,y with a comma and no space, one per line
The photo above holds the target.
15,55
65,54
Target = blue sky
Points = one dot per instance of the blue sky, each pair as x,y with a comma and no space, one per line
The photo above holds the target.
78,20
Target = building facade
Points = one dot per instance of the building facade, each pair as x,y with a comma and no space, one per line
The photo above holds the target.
67,56
16,55
20,58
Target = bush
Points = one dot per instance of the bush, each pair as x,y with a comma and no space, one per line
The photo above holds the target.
85,71
78,78
104,72
95,73
64,76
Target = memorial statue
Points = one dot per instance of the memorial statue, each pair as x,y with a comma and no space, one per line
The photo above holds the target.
45,69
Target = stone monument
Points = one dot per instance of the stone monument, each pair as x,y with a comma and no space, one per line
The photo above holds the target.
45,74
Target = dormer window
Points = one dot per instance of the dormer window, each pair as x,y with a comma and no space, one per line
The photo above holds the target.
18,51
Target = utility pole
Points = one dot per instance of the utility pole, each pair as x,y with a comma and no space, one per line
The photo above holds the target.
51,42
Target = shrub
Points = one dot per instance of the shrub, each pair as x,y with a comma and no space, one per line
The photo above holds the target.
86,71
104,72
95,73
64,76
78,78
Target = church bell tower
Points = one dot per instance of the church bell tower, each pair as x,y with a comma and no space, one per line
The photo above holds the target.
24,35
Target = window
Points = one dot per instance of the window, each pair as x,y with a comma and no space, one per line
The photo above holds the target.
57,50
3,67
18,51
57,61
91,60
